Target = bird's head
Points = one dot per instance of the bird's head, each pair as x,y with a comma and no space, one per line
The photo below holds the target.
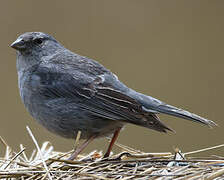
36,43
31,47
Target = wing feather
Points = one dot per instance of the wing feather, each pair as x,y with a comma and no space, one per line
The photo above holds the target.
96,97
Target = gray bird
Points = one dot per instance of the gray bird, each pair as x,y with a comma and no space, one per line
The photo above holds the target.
67,93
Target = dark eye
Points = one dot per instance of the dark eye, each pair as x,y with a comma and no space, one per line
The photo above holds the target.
38,40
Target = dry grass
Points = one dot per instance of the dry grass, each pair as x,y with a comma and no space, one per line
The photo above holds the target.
44,163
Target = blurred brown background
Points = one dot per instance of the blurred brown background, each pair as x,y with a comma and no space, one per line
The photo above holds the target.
171,50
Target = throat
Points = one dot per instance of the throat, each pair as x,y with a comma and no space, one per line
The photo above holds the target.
25,62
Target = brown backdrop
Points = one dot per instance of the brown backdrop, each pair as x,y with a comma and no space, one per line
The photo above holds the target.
171,50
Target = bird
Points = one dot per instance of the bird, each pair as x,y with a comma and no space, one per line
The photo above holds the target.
67,93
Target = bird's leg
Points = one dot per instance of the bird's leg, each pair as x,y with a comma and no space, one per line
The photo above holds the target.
114,138
81,147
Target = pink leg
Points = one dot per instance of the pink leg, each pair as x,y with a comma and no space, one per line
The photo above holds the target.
112,143
80,149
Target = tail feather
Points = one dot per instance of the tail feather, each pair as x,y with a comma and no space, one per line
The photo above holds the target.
154,105
152,121
162,127
171,110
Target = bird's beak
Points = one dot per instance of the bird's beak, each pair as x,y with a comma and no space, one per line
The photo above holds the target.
19,44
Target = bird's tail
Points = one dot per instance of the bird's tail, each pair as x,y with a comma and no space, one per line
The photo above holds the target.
153,105
171,110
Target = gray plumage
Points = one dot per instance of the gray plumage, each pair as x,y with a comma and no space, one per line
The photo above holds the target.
66,92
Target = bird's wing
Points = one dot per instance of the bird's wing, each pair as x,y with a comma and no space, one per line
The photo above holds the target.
94,95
